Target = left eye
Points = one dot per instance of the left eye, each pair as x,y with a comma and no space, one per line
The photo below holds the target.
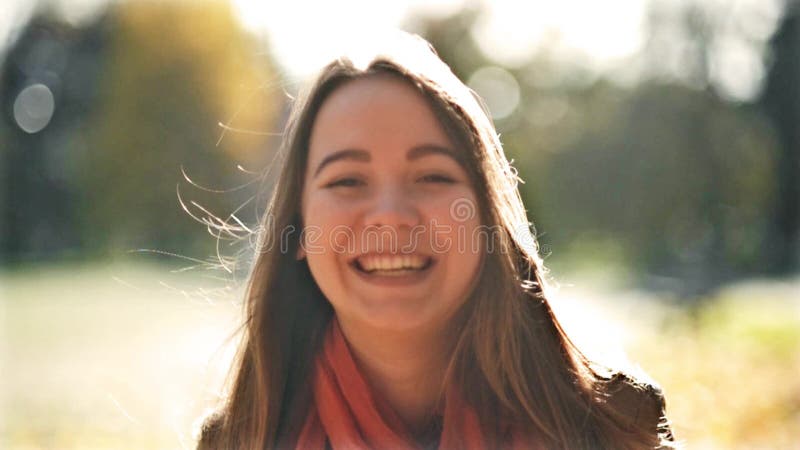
436,178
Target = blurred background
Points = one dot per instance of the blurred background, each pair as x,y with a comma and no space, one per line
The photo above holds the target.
659,141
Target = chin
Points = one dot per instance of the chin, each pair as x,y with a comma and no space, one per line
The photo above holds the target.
401,315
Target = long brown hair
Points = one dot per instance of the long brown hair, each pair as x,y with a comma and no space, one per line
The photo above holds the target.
512,357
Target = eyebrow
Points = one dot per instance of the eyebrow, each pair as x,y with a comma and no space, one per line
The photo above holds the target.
430,149
349,153
415,153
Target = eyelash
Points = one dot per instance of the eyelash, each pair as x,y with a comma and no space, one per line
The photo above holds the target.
344,182
354,182
436,178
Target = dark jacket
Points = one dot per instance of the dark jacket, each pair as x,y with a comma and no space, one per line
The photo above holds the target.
641,404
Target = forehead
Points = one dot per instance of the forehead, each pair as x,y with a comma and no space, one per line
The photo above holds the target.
375,111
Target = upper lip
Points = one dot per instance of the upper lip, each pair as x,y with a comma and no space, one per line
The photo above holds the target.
354,261
362,255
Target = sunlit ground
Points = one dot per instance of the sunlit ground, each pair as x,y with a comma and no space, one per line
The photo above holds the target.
730,369
110,357
127,356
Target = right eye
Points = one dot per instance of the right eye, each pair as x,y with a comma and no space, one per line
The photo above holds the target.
345,182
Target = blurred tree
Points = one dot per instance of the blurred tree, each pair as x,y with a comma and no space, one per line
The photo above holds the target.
174,70
47,89
667,177
699,44
781,99
145,99
678,178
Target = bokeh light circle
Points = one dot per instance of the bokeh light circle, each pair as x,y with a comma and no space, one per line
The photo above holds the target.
34,107
498,88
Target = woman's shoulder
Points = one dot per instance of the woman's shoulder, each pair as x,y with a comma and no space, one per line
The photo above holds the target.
210,428
637,402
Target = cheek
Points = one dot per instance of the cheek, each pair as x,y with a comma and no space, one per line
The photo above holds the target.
327,229
455,224
468,246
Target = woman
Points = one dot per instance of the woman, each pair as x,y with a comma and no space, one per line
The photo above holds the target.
398,299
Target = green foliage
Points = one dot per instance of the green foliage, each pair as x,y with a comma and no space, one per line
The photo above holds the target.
678,179
729,369
173,72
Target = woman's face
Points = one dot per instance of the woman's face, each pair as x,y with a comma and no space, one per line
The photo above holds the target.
389,213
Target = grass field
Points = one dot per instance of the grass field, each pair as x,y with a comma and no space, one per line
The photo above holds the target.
114,357
124,356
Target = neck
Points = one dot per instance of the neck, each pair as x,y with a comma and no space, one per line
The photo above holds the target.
408,379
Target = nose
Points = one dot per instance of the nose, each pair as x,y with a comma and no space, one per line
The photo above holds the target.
392,208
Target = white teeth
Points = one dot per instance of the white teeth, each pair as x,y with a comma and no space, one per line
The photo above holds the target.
372,263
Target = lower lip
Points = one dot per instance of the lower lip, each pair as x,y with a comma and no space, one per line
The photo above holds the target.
405,279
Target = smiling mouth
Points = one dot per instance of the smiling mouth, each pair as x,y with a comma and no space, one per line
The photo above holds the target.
392,265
